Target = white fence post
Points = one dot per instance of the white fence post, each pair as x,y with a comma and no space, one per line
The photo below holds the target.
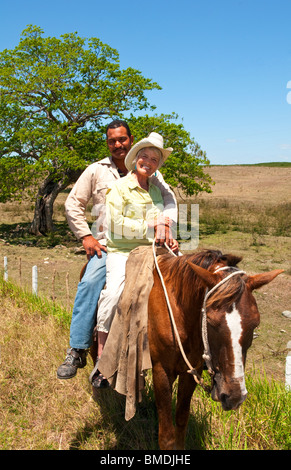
34,280
5,269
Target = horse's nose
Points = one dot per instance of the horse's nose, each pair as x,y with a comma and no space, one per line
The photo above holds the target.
229,402
224,399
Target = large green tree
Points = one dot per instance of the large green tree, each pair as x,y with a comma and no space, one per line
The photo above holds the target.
186,167
56,94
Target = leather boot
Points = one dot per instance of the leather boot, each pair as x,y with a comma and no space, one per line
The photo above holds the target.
75,359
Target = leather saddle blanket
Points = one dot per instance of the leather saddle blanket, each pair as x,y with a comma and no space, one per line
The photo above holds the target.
126,356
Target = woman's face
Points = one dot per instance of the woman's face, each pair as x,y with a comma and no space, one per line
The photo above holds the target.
147,162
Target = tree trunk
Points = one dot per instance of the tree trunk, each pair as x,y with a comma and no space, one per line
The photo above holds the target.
42,223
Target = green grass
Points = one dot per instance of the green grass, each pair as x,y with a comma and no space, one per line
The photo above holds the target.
34,303
224,216
261,423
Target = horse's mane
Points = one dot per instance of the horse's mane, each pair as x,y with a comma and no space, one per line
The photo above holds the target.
183,280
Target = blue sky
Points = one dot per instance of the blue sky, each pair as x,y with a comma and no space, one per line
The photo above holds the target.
224,66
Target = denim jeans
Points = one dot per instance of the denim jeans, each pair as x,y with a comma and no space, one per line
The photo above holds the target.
84,311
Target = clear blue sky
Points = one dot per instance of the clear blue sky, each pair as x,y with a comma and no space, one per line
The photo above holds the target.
224,66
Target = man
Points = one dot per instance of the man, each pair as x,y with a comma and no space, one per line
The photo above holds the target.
93,184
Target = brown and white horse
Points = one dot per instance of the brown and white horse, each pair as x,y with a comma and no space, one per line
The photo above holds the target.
193,283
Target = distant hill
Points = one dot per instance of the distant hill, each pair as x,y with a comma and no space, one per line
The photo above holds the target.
268,164
273,164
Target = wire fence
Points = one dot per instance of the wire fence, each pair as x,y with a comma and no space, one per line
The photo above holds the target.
54,292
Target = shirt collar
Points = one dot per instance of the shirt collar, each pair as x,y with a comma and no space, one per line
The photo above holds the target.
107,161
132,182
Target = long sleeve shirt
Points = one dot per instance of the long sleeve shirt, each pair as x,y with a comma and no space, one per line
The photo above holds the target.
131,211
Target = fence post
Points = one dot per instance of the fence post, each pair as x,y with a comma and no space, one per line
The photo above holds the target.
34,280
5,269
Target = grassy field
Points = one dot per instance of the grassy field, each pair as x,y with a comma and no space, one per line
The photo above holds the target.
244,215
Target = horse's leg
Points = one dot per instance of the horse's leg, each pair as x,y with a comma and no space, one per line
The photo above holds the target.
186,388
163,397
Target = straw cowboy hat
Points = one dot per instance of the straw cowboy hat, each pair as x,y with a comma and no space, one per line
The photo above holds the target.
153,140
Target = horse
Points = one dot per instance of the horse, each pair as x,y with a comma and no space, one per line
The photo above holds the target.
204,288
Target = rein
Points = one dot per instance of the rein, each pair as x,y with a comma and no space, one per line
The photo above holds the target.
206,355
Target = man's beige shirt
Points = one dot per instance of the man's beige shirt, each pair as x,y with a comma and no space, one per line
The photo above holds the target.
93,184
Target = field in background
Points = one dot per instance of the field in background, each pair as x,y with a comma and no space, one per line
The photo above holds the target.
249,214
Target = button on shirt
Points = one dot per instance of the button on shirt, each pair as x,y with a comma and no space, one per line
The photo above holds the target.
129,209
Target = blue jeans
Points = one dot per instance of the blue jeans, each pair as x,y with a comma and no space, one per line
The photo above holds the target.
85,306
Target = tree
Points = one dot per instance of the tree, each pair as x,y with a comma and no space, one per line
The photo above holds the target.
55,97
55,93
185,168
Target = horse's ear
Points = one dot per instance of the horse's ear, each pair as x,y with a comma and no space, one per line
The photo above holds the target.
209,279
259,280
231,260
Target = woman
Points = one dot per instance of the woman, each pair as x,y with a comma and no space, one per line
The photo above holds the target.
134,209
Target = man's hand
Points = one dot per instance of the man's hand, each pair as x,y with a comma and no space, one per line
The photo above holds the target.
92,246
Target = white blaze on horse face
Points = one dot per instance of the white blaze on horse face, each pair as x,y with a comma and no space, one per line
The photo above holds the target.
233,321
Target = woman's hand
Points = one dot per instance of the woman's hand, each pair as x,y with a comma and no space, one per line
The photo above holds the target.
163,233
174,245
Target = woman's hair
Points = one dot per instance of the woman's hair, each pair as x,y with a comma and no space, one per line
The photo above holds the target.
154,149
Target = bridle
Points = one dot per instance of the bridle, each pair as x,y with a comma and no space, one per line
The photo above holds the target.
206,354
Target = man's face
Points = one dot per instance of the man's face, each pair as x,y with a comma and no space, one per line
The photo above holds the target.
119,143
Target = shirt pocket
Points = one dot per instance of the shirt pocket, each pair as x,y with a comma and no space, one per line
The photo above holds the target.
100,191
134,210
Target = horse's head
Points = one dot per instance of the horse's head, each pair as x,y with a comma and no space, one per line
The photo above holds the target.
230,319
